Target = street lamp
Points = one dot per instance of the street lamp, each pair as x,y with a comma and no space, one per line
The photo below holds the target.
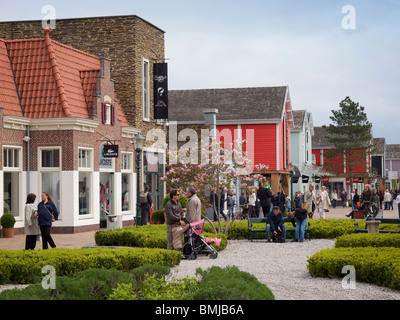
138,144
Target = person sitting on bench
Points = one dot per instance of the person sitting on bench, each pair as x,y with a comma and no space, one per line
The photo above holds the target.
276,225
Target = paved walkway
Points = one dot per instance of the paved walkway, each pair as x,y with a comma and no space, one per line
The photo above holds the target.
79,240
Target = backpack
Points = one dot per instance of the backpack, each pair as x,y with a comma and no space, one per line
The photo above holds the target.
143,197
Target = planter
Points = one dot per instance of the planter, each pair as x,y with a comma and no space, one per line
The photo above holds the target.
8,232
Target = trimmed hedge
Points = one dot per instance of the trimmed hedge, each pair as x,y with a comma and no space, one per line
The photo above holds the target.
24,266
229,284
320,228
149,236
369,240
380,266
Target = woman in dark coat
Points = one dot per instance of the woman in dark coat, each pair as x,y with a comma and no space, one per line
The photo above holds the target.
47,213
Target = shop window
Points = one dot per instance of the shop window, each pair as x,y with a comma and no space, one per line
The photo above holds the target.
12,168
50,176
11,158
85,168
50,158
84,160
126,184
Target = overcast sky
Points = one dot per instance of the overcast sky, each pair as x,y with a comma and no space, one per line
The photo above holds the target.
305,44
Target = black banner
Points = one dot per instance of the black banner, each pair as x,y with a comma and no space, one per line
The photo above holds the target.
160,91
110,151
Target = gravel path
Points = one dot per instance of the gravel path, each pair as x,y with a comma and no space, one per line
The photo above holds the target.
283,268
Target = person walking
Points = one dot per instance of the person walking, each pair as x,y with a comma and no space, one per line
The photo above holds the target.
323,202
343,197
398,203
31,226
356,200
280,200
310,200
145,205
47,213
264,194
193,207
252,203
231,203
334,198
387,197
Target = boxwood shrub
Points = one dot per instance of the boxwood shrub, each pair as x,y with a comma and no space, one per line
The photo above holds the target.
149,236
24,266
380,265
369,240
229,283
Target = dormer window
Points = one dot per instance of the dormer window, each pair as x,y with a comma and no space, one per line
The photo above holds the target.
108,113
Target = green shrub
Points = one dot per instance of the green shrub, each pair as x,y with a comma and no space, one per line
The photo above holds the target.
183,200
149,236
229,284
369,240
7,220
24,266
378,265
92,284
158,217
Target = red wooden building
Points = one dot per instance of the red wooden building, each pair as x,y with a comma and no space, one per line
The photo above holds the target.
261,116
361,172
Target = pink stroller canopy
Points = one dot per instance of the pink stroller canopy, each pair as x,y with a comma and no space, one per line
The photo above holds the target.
198,226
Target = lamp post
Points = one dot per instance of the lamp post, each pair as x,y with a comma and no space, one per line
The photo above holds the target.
138,143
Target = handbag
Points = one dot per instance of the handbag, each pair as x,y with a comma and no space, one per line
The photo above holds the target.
52,216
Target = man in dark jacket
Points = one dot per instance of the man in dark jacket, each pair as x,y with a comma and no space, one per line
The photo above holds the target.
276,224
264,195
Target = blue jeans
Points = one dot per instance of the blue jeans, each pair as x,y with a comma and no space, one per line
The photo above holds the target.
334,203
284,228
300,229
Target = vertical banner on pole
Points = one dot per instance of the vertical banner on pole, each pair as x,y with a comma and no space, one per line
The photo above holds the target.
160,91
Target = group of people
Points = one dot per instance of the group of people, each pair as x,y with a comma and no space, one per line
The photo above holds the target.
177,218
38,221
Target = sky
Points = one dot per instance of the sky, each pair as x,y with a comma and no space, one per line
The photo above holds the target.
323,50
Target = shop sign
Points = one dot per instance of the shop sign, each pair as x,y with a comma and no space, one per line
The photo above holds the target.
110,151
325,180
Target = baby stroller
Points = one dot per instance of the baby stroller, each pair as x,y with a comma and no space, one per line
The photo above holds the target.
195,242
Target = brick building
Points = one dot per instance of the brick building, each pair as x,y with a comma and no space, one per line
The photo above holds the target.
132,46
58,110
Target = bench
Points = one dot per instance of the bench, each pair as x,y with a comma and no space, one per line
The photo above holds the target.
252,230
383,221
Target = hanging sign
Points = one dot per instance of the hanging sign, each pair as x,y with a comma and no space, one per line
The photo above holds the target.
160,91
110,151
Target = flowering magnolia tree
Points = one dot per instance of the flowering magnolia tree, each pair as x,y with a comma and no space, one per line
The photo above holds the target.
222,170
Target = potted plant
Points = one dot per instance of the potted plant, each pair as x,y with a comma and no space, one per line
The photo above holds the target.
7,221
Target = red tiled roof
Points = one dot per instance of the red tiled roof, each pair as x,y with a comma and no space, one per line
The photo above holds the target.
53,80
8,92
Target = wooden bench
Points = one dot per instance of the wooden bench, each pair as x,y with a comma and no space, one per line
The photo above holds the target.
383,221
252,230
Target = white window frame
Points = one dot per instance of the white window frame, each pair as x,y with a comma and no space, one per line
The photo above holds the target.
18,170
108,113
50,169
128,171
87,169
146,94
